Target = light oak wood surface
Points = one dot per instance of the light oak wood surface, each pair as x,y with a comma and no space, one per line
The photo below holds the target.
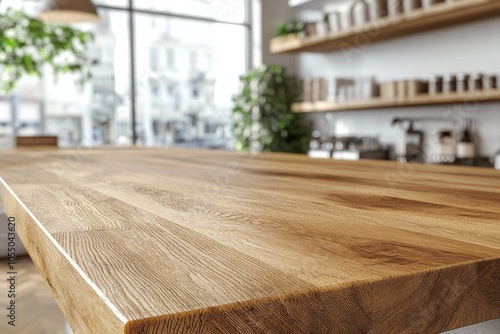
469,98
28,141
179,241
351,41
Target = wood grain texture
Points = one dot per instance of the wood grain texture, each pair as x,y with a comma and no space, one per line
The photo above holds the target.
439,15
28,141
178,241
410,101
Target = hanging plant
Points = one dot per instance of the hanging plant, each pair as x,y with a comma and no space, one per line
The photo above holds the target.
27,44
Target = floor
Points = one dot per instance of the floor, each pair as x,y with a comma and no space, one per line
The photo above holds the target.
36,310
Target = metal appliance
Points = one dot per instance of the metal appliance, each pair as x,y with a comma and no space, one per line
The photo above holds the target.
410,142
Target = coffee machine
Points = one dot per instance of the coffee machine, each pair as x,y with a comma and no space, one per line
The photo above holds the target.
409,143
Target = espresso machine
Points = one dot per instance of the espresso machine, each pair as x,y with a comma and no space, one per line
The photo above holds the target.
410,142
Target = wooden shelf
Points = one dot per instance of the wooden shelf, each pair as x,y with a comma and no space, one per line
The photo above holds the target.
438,16
378,103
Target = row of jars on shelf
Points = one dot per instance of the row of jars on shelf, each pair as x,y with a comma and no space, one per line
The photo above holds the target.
367,88
344,18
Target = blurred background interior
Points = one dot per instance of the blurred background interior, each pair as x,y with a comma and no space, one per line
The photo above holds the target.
406,80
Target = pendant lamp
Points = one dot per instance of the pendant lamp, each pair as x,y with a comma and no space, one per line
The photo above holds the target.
68,11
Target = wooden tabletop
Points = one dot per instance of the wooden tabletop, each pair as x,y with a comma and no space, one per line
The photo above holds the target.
178,241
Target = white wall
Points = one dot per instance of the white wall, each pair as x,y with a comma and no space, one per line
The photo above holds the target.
468,47
271,12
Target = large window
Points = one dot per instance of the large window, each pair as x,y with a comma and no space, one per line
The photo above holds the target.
186,73
180,64
220,10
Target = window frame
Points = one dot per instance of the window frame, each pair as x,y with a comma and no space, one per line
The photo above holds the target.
131,9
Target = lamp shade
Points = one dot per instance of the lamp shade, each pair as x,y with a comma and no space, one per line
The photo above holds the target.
68,11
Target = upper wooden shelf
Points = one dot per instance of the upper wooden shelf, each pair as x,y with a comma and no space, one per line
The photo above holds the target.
438,16
378,103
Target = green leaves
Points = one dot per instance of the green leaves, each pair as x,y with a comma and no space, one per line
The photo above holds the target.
262,113
290,27
26,44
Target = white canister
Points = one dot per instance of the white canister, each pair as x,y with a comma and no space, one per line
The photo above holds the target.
487,82
332,88
497,161
345,19
321,28
366,88
359,14
435,85
334,22
466,150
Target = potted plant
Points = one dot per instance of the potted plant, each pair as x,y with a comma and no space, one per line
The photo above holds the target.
291,30
262,115
27,44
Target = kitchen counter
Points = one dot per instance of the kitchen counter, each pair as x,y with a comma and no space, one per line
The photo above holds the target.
179,241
